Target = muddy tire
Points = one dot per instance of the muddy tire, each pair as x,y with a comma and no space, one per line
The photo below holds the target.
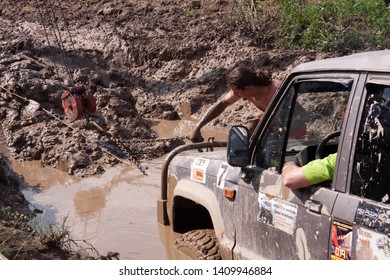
199,244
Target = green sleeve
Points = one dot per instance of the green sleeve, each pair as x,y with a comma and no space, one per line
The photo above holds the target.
320,170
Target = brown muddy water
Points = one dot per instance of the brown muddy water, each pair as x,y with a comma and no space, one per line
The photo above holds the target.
115,211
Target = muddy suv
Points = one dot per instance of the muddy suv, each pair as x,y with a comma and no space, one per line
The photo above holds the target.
232,204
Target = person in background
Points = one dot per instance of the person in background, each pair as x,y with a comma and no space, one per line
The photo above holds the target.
316,171
257,87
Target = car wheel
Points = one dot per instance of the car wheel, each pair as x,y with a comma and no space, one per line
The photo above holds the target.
199,244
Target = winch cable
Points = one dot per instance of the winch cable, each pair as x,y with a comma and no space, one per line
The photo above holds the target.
47,36
49,13
53,20
66,24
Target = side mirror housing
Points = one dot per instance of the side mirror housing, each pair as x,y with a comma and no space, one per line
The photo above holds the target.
238,146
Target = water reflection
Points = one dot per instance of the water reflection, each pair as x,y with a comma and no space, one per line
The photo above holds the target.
89,202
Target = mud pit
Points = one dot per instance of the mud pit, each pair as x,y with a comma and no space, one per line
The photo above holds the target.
144,62
114,211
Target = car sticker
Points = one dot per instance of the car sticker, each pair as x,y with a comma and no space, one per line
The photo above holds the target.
372,245
372,216
221,175
198,170
277,213
341,241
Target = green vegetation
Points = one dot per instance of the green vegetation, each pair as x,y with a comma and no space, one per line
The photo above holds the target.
23,240
321,25
336,24
178,35
190,12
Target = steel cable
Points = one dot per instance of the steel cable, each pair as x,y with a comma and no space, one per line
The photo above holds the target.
47,35
49,13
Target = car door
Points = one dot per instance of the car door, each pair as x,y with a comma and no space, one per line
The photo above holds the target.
362,212
271,220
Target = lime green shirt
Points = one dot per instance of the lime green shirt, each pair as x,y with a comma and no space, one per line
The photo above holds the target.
320,170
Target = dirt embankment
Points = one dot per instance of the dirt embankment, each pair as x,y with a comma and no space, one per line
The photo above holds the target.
141,61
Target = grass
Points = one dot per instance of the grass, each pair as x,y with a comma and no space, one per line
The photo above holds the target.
319,25
22,237
190,12
336,24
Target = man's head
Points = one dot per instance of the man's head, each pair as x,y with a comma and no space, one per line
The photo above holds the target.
241,76
242,81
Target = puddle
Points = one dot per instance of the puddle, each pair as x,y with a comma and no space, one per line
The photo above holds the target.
115,211
180,128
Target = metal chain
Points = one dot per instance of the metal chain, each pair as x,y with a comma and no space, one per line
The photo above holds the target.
148,141
131,157
124,146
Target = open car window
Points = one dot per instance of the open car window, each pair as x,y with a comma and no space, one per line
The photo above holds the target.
310,110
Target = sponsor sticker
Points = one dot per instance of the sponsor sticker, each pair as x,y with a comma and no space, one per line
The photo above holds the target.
372,245
341,241
373,216
198,170
278,213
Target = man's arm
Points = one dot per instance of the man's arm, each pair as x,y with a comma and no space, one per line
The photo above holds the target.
212,113
316,171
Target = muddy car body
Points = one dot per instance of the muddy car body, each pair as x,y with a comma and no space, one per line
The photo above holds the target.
232,204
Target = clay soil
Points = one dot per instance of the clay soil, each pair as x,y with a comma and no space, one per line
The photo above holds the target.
143,61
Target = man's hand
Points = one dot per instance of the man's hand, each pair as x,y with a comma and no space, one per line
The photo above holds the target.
293,177
195,136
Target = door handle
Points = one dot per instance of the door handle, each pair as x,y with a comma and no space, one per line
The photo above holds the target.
313,205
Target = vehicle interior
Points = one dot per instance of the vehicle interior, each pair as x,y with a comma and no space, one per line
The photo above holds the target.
311,129
319,109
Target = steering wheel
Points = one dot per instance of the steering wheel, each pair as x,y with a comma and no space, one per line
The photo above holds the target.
327,138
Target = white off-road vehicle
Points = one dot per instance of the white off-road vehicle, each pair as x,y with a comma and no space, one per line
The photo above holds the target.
231,203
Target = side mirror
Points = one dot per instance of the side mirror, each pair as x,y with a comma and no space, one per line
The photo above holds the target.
238,146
